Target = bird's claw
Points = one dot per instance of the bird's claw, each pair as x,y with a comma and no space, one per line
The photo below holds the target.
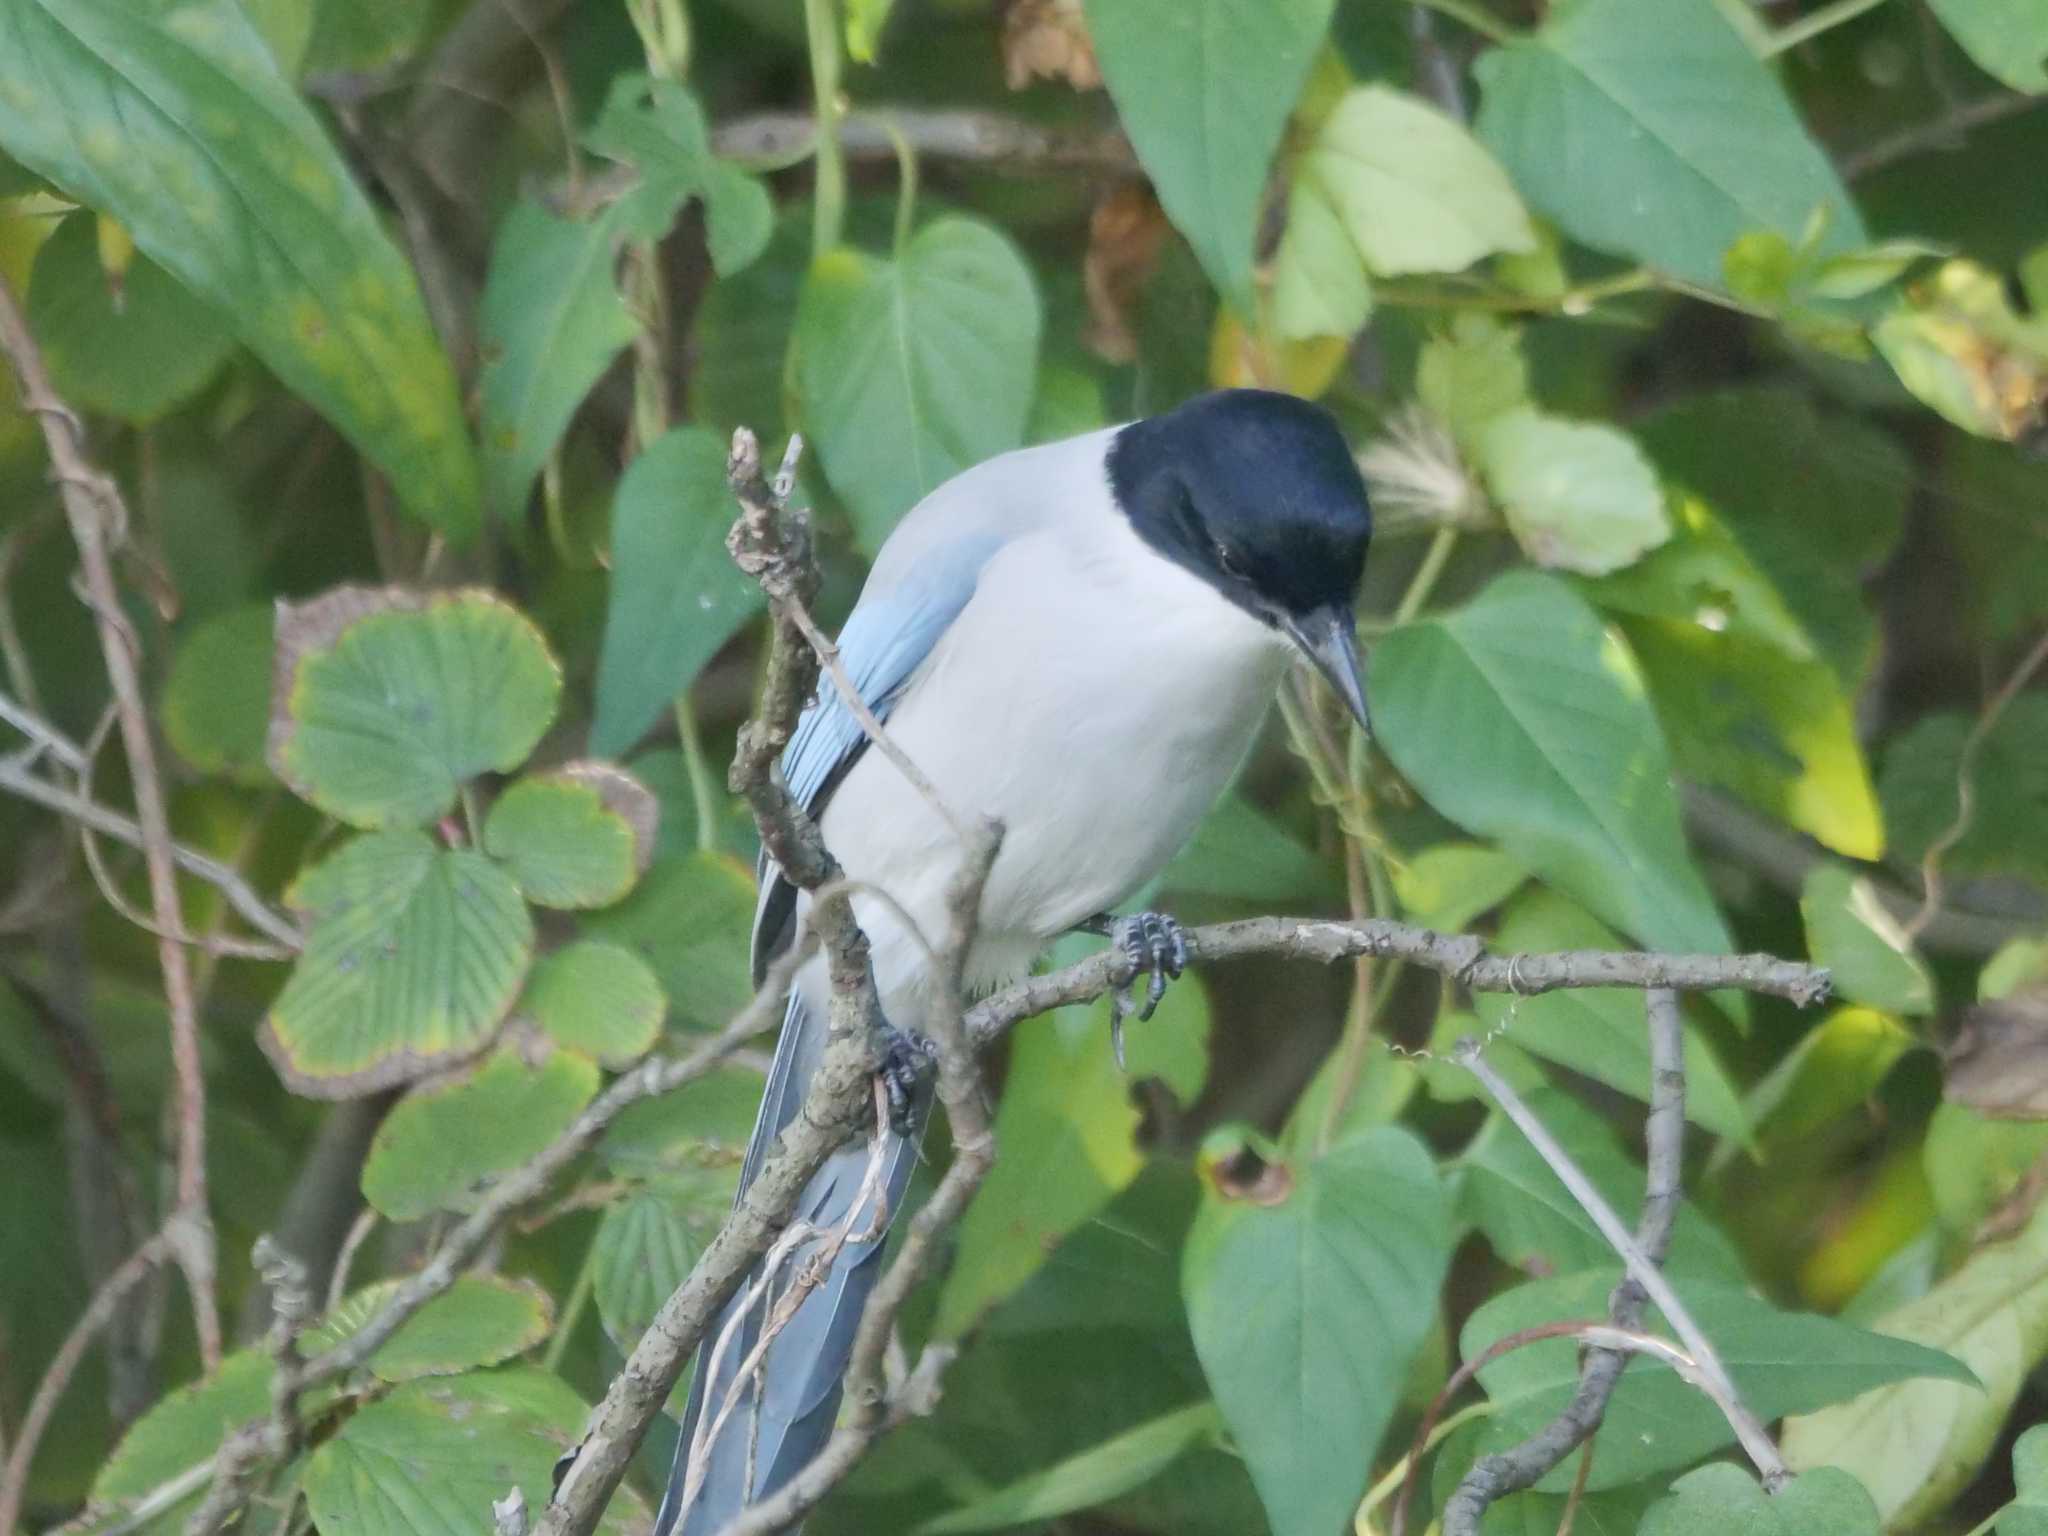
906,1058
1157,948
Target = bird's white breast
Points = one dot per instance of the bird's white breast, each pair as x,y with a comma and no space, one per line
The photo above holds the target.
1092,697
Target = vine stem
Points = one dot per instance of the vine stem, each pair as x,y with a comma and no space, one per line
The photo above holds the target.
828,208
1814,23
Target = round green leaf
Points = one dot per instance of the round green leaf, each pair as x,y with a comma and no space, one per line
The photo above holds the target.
414,956
132,347
676,596
445,1138
1204,87
479,1320
690,919
430,1459
577,837
1306,1314
597,998
648,1243
175,120
387,700
914,368
217,700
1578,495
1523,720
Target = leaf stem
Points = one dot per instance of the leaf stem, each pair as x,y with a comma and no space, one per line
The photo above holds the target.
703,789
1389,1485
1434,559
1813,24
1487,25
906,185
828,209
572,1309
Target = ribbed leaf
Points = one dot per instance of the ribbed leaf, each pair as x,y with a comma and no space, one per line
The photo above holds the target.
577,837
597,998
479,1320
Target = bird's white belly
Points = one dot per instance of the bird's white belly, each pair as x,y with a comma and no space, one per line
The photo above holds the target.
1099,746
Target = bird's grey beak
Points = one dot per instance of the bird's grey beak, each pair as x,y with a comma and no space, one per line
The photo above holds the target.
1329,638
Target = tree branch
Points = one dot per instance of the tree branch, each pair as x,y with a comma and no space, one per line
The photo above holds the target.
92,503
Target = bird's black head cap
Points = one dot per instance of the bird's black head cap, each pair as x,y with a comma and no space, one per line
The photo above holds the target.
1253,491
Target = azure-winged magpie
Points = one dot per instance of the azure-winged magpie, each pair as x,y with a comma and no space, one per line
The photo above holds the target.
1079,640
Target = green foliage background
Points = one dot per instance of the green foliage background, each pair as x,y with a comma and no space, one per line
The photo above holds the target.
1697,355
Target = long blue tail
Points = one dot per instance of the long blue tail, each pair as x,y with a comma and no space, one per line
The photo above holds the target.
778,1418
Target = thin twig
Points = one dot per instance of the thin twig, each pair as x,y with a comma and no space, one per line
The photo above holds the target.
1756,1444
92,503
1966,787
1944,132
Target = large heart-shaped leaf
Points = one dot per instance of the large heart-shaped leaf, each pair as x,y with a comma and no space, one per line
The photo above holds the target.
1781,1362
385,701
413,959
1647,127
1521,718
172,116
446,1138
676,596
1204,88
1305,1314
551,322
915,367
431,1459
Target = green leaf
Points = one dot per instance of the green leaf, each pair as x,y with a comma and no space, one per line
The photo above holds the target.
1703,577
550,323
1413,189
702,1124
1203,88
217,699
1091,1477
1849,931
2007,39
173,118
1319,283
1833,1070
1448,885
690,919
578,836
287,26
446,1138
914,368
1781,1362
2028,1513
132,346
1599,1031
1815,502
1722,1498
387,700
2008,834
1306,1314
369,36
1648,128
676,596
656,127
1520,718
647,1244
1974,1163
1577,495
1066,1105
597,998
1472,374
1956,342
479,1320
1510,1194
1239,853
1917,1444
430,1459
414,956
186,1427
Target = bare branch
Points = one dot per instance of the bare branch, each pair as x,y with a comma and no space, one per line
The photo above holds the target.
1944,132
92,503
985,138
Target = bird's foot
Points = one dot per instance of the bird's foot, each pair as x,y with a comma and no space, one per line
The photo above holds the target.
1157,947
907,1057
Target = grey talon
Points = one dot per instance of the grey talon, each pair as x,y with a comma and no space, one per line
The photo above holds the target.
1157,947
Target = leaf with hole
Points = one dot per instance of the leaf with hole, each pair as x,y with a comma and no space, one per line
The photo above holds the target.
445,1139
915,367
1306,1313
386,701
597,998
175,120
412,960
